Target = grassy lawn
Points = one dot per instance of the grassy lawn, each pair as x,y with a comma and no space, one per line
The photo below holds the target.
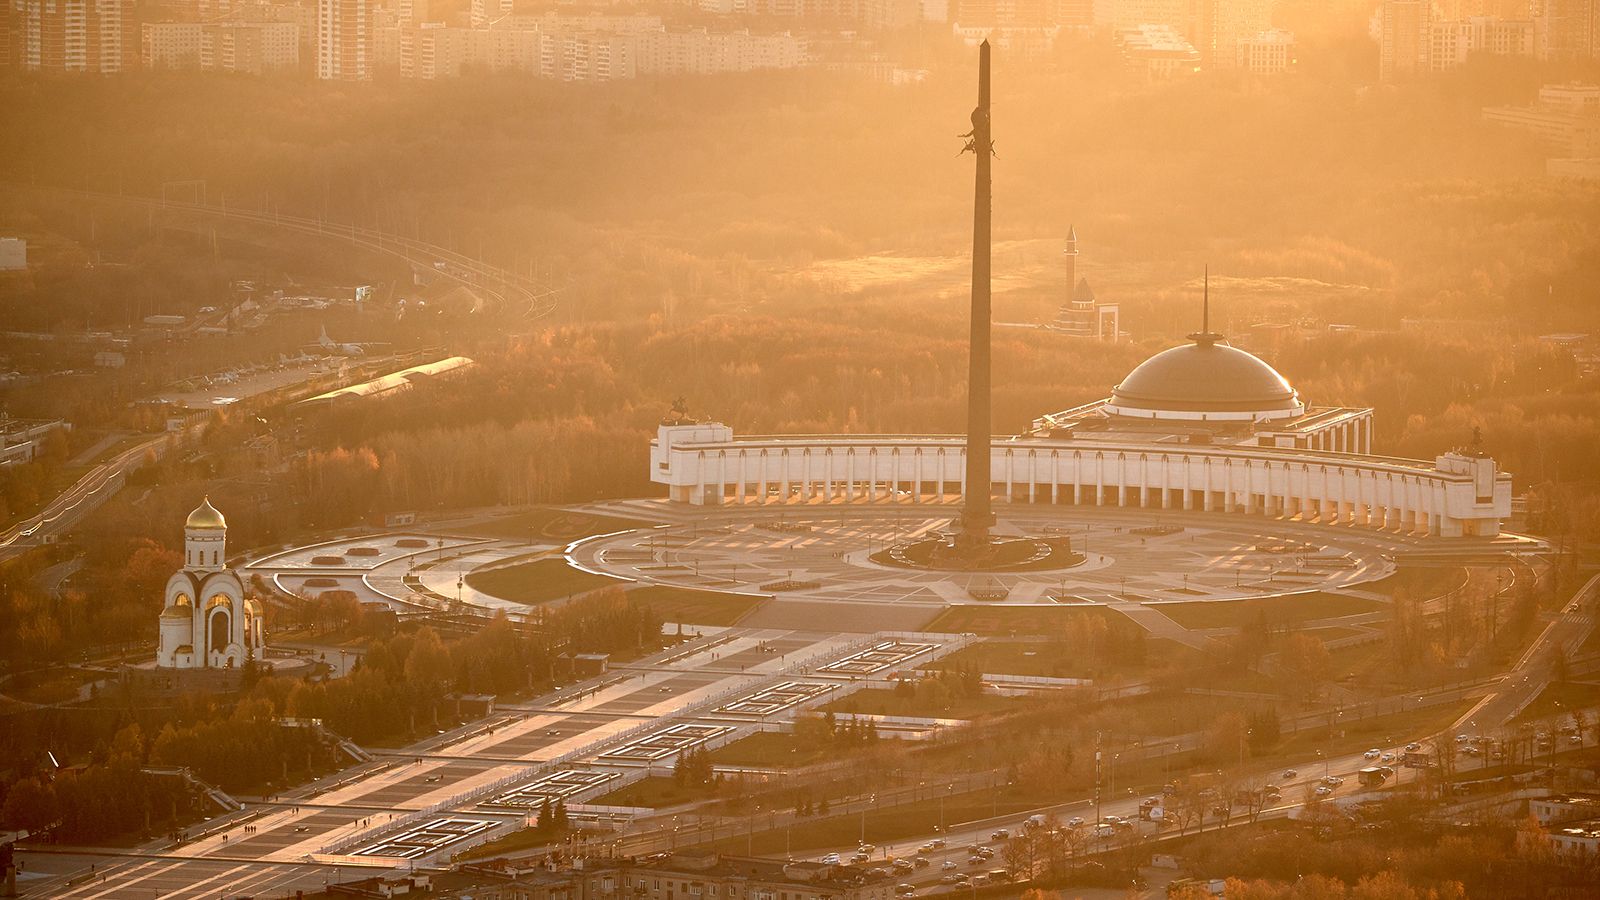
552,524
694,607
537,582
521,839
1556,698
655,792
1158,715
888,703
1054,659
1237,613
768,748
1373,732
881,825
1010,621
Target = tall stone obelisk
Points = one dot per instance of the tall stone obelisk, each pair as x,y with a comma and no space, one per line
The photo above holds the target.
977,516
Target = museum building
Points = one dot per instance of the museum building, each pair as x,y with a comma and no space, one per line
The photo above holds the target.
1203,426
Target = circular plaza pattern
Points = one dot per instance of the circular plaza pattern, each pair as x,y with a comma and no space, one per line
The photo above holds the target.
841,554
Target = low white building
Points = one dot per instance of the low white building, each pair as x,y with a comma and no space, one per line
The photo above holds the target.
1203,426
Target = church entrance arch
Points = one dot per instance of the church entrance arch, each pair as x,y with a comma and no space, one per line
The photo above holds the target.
218,630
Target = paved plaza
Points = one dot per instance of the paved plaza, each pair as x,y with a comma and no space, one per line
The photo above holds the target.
1139,557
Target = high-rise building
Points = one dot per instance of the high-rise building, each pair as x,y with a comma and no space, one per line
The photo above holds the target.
1220,25
1403,38
1270,52
1451,42
1568,29
87,36
344,40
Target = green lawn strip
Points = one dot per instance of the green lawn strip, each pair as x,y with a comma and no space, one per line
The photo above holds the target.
521,839
888,703
1561,697
692,606
551,524
1054,659
1002,621
655,791
1287,608
1350,736
881,825
537,582
769,749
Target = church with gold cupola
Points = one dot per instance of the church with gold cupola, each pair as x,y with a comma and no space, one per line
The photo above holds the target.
208,622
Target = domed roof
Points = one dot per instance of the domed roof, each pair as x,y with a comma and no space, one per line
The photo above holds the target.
206,516
1202,378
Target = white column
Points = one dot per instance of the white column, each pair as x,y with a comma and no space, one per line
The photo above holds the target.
1188,497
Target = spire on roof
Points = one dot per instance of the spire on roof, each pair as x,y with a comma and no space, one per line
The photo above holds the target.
1083,293
1205,335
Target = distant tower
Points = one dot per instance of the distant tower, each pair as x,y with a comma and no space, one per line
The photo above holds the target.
1083,315
1071,254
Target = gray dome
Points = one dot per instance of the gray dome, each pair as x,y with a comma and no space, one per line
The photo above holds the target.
1207,376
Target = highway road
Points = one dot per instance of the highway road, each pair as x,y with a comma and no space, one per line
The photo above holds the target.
1563,637
61,514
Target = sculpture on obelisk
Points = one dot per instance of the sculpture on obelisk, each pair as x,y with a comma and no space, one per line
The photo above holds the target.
977,515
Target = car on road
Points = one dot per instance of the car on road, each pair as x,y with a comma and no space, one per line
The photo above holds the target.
904,865
927,847
861,856
832,859
1332,780
1387,757
949,878
1075,822
1413,747
963,879
1372,754
904,890
948,864
1000,834
1323,790
937,843
1290,773
868,848
921,862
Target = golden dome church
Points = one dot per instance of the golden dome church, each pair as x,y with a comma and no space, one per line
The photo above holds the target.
207,621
